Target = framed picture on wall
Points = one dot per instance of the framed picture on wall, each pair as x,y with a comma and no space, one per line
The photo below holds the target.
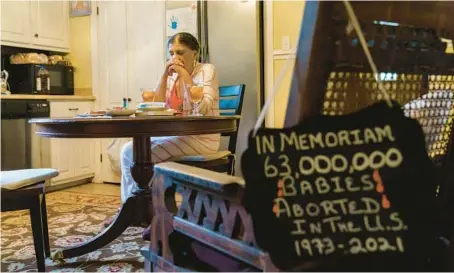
80,8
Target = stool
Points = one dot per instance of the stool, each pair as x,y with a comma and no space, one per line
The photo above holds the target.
25,189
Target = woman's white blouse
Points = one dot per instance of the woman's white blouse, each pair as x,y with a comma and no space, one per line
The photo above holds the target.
203,75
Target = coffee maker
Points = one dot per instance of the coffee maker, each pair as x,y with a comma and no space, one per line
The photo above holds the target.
4,86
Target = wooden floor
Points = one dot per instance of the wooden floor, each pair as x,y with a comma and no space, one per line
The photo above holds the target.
97,188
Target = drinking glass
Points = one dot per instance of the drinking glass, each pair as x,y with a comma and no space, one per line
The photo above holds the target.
194,96
148,94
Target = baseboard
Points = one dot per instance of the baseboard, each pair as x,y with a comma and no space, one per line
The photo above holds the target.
68,185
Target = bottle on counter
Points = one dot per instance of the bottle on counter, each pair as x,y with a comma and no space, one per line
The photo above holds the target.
43,81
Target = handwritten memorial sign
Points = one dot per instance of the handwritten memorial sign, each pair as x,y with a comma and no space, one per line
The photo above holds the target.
344,188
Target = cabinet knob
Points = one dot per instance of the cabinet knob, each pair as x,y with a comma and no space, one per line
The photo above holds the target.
36,35
73,109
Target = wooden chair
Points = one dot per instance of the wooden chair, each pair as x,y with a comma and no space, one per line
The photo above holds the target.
230,103
210,215
25,189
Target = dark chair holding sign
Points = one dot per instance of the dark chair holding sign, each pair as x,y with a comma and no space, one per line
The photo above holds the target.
25,189
434,112
230,103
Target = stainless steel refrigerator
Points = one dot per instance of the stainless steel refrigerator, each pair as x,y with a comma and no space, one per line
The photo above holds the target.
230,36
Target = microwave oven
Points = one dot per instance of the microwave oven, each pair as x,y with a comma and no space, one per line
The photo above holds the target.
22,79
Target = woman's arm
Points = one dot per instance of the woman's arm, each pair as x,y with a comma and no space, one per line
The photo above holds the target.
161,90
184,76
210,84
160,95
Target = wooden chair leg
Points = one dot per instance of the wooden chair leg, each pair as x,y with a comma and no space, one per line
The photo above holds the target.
37,228
44,223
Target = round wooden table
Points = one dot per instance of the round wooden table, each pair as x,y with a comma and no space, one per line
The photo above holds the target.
136,209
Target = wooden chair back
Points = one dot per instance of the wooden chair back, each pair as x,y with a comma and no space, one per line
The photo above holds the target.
332,75
231,103
434,111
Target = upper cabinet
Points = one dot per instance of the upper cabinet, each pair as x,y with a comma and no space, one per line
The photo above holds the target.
15,21
36,24
50,23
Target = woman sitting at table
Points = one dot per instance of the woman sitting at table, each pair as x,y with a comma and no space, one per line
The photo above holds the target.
181,70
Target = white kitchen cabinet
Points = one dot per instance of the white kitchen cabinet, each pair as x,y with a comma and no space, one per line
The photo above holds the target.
74,158
50,23
61,158
35,24
130,49
15,21
84,156
112,53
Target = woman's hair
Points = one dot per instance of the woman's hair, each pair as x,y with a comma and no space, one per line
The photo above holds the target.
186,39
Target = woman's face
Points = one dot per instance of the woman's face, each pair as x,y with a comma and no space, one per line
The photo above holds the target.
184,53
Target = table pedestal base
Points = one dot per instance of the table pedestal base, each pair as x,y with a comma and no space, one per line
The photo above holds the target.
132,213
135,211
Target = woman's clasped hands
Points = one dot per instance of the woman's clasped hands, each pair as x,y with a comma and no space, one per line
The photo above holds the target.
175,65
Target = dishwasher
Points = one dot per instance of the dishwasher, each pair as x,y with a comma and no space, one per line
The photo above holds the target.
20,147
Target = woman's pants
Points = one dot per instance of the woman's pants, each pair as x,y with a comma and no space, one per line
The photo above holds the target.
164,149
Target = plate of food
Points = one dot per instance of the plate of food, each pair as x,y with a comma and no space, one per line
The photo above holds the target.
92,113
120,112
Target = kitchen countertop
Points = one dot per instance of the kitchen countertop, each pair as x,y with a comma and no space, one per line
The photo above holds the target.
47,97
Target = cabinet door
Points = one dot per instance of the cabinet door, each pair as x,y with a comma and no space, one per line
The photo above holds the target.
113,52
107,168
83,152
50,23
72,157
15,21
145,52
61,158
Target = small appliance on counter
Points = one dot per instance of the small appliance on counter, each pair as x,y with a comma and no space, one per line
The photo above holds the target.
4,83
28,79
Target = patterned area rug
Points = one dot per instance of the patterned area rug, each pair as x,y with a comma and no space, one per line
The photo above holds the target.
73,218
